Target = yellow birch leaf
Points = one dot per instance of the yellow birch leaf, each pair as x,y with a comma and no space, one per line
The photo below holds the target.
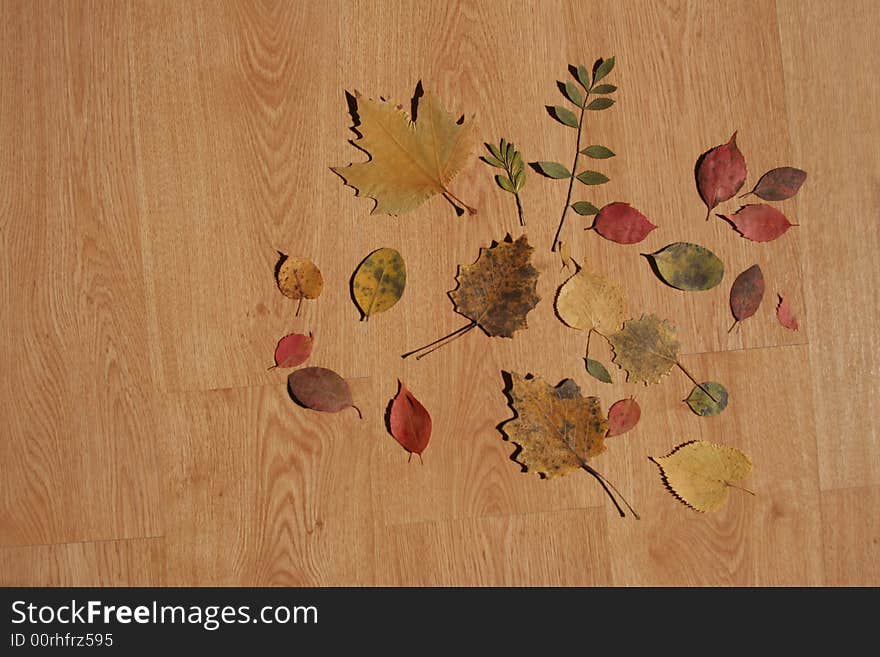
587,301
298,278
646,348
700,473
379,281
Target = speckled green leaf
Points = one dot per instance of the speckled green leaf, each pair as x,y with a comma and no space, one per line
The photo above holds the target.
597,370
603,89
603,70
584,208
573,93
505,184
379,282
553,170
592,178
598,152
703,404
600,103
687,266
563,115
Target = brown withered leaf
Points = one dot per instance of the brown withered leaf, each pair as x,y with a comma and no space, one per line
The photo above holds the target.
646,348
557,429
746,294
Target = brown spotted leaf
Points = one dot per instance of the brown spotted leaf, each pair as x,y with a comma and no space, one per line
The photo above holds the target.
746,293
721,173
298,278
557,429
646,348
779,184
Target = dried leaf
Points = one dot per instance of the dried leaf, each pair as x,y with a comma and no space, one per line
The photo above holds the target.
293,350
320,389
583,76
702,404
556,428
584,208
700,473
759,222
410,422
622,223
553,170
598,152
603,89
498,290
597,370
746,293
687,266
600,103
785,315
505,183
379,282
592,178
721,173
587,301
409,162
646,348
563,115
573,93
623,416
299,278
604,68
779,184
565,254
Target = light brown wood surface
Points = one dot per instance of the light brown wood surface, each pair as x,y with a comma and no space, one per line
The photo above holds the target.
154,157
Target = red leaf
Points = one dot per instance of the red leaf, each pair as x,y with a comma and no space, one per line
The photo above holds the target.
320,389
410,422
746,293
622,223
779,184
785,315
293,350
759,222
721,173
623,416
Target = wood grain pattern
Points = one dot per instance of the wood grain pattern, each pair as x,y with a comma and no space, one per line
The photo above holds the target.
156,157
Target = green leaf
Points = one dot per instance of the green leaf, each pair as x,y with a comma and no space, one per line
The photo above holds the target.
553,170
505,184
600,103
564,115
573,93
603,89
495,162
503,149
592,178
583,76
585,208
597,370
598,152
687,266
702,404
517,164
603,70
495,152
508,156
519,179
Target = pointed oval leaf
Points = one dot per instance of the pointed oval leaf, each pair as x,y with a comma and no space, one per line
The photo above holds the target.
622,223
572,92
293,350
505,184
600,104
519,180
583,76
598,152
700,473
584,208
623,416
592,178
702,404
587,301
410,421
687,266
785,314
746,293
759,222
495,152
597,370
320,389
564,115
779,184
603,69
379,281
493,161
603,89
553,170
299,278
721,173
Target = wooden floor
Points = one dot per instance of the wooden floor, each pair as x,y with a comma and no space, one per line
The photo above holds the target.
155,156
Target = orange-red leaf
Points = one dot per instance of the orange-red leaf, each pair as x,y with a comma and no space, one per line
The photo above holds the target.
622,223
759,222
746,293
785,315
721,173
410,421
623,416
293,350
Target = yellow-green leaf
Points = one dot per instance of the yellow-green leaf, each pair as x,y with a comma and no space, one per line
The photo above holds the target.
598,152
687,266
603,69
553,170
592,178
702,404
379,281
564,115
597,370
600,103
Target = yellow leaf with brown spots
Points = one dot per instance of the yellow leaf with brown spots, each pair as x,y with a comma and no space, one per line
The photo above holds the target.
379,282
646,348
298,278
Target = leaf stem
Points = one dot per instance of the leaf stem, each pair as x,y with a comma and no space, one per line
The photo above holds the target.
577,154
696,383
589,335
605,484
439,342
454,199
519,209
298,307
745,490
733,326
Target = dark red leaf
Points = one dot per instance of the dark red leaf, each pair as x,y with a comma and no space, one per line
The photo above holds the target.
622,223
293,350
785,315
721,173
320,389
779,184
759,222
746,293
410,422
623,416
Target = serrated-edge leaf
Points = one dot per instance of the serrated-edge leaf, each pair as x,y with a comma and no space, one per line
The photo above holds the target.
505,183
603,89
573,93
604,69
554,170
597,370
564,116
584,208
598,152
592,178
600,104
